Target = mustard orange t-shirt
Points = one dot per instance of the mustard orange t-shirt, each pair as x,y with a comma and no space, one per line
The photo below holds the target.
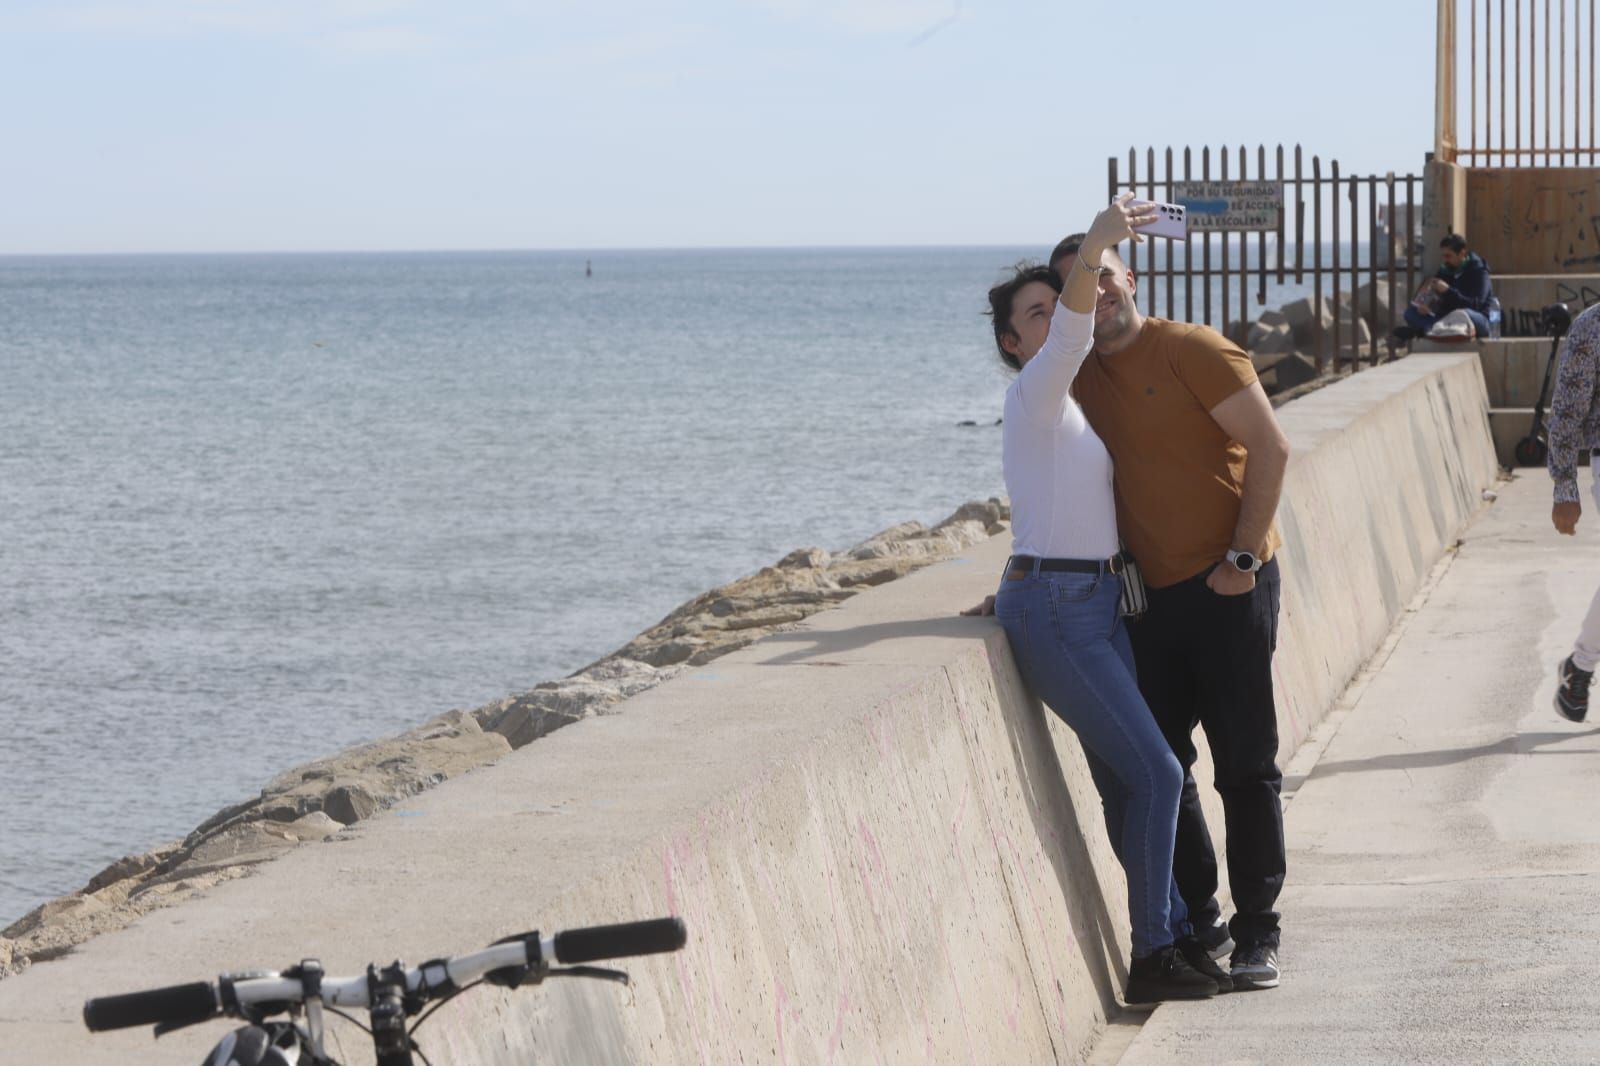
1178,476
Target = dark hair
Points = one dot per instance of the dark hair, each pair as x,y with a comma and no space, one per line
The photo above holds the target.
1070,244
1454,241
1003,295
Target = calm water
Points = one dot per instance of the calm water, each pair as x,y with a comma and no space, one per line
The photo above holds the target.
255,509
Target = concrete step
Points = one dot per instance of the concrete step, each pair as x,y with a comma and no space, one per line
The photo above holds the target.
1510,424
1513,369
1523,296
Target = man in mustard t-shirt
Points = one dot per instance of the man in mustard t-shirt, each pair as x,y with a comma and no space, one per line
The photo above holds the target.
1199,460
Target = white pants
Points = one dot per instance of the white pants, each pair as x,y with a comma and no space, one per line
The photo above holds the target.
1586,653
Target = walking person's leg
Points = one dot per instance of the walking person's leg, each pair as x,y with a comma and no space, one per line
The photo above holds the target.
1577,670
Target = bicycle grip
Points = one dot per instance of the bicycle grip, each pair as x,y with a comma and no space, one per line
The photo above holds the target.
181,1004
615,941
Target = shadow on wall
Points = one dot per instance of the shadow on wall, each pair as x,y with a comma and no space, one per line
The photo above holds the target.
1051,806
831,642
1059,826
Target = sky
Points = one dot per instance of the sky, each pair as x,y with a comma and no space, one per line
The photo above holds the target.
319,125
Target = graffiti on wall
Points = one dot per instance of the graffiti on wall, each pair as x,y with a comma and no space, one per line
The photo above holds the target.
1565,219
1536,221
1524,321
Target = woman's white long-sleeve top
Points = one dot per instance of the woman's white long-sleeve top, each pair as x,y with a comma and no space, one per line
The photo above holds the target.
1057,470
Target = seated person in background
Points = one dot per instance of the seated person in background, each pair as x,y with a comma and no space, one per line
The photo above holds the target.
1462,284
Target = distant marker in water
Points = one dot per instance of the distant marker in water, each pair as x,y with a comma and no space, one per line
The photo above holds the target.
588,269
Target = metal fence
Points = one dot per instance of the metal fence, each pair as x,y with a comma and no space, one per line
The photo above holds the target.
1538,35
1342,231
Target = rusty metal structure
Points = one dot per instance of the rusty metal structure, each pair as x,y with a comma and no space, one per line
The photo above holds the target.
1513,49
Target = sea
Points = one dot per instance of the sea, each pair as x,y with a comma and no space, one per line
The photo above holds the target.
255,509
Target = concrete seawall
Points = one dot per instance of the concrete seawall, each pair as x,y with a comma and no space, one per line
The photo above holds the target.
883,848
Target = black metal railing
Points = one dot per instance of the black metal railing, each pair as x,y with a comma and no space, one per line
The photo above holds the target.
1498,140
1385,210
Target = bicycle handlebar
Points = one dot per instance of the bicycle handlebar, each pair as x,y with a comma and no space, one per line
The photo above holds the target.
194,1002
200,1000
615,941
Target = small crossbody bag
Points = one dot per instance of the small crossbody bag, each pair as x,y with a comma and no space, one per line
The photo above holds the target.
1134,600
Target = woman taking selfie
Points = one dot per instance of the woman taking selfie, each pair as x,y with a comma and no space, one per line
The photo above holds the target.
1060,597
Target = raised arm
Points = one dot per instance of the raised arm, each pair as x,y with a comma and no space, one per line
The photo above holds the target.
1047,377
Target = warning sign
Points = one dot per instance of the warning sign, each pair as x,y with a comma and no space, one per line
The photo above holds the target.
1230,205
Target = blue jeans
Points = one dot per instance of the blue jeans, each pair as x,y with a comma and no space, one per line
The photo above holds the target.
1423,323
1067,635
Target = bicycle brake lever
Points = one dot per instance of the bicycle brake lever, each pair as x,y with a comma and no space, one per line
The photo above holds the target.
596,972
163,1028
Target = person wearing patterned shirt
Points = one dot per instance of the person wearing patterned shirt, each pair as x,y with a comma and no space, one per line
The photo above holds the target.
1574,426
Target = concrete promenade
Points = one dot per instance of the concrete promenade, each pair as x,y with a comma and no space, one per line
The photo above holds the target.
1443,903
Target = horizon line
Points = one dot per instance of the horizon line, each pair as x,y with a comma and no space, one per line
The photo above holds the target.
513,251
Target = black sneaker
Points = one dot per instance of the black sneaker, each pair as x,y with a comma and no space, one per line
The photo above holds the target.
1195,954
1254,966
1216,939
1166,975
1572,692
1404,334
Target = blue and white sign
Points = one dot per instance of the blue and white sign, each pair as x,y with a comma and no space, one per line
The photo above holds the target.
1230,205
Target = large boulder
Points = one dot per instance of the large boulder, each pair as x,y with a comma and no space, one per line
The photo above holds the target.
1308,319
1280,372
1355,336
1270,340
1371,303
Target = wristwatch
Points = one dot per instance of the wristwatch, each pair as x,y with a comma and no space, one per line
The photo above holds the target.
1244,562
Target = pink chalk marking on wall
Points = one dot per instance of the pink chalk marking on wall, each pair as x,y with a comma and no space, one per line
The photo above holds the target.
836,1041
1060,845
780,1007
1039,922
876,866
1014,1015
955,987
882,729
686,981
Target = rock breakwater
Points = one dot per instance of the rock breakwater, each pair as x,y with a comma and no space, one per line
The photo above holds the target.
314,802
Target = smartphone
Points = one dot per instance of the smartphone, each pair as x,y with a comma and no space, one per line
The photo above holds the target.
1169,221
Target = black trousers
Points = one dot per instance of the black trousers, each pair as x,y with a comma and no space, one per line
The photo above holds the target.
1205,659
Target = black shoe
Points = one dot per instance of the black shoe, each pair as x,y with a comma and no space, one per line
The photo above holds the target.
1216,939
1404,334
1166,975
1254,966
1199,959
1572,694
